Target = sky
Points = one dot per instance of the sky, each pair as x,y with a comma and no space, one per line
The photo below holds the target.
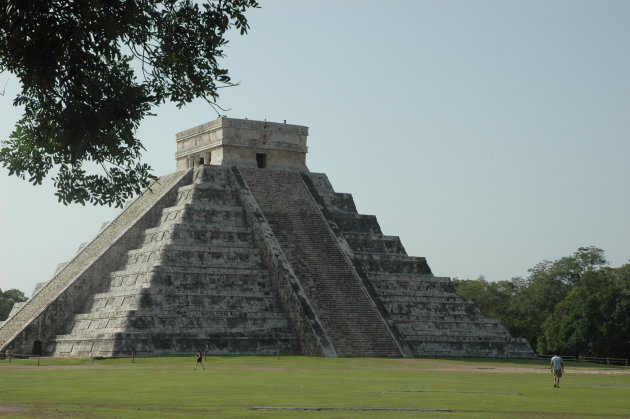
489,135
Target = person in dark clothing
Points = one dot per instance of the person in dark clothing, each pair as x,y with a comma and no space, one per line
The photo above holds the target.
199,360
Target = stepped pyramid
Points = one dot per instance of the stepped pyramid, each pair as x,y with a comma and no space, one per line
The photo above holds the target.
244,251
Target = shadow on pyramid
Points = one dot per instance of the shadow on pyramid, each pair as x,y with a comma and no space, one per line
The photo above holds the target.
244,251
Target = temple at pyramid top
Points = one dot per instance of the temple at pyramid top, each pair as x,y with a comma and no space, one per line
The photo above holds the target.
243,143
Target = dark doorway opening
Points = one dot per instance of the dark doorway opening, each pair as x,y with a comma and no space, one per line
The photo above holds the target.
261,160
200,162
37,348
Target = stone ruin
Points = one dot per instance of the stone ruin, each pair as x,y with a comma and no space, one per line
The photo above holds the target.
243,250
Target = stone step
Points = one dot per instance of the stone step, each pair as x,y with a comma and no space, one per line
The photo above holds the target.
212,301
398,264
214,175
205,214
222,278
411,277
201,256
169,227
173,293
236,237
363,243
145,344
84,328
267,336
425,329
224,247
419,309
216,209
432,339
355,223
199,235
233,225
391,283
391,291
192,270
211,256
158,335
339,202
434,321
320,182
195,312
387,283
419,300
144,255
157,236
207,194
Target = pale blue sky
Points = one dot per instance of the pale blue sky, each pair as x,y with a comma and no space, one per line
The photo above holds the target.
488,135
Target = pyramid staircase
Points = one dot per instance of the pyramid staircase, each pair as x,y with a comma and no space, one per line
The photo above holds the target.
345,310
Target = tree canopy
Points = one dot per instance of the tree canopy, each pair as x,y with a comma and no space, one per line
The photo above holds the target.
91,70
576,304
7,299
594,318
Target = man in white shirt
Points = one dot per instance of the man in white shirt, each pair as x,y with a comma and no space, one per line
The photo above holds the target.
557,368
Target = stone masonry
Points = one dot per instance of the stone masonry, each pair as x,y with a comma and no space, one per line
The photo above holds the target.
244,251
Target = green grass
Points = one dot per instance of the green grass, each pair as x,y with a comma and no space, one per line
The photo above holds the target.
231,386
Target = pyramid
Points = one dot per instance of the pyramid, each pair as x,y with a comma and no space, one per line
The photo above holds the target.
243,250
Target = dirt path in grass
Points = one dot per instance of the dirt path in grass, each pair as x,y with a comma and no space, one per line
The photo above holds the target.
445,365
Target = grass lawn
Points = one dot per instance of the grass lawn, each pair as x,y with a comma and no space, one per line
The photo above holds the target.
232,387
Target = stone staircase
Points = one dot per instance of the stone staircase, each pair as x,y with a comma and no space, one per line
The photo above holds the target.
195,282
427,313
342,305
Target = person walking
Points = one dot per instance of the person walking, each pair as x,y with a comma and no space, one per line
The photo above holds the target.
557,369
199,360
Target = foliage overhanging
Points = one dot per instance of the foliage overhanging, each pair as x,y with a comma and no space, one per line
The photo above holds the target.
83,100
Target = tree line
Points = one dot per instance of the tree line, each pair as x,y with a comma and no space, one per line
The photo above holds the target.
7,299
575,305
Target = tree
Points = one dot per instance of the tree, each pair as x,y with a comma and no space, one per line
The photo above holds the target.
546,286
82,99
492,298
7,299
594,319
524,304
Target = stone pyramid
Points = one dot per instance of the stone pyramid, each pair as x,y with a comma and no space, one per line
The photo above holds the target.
244,251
